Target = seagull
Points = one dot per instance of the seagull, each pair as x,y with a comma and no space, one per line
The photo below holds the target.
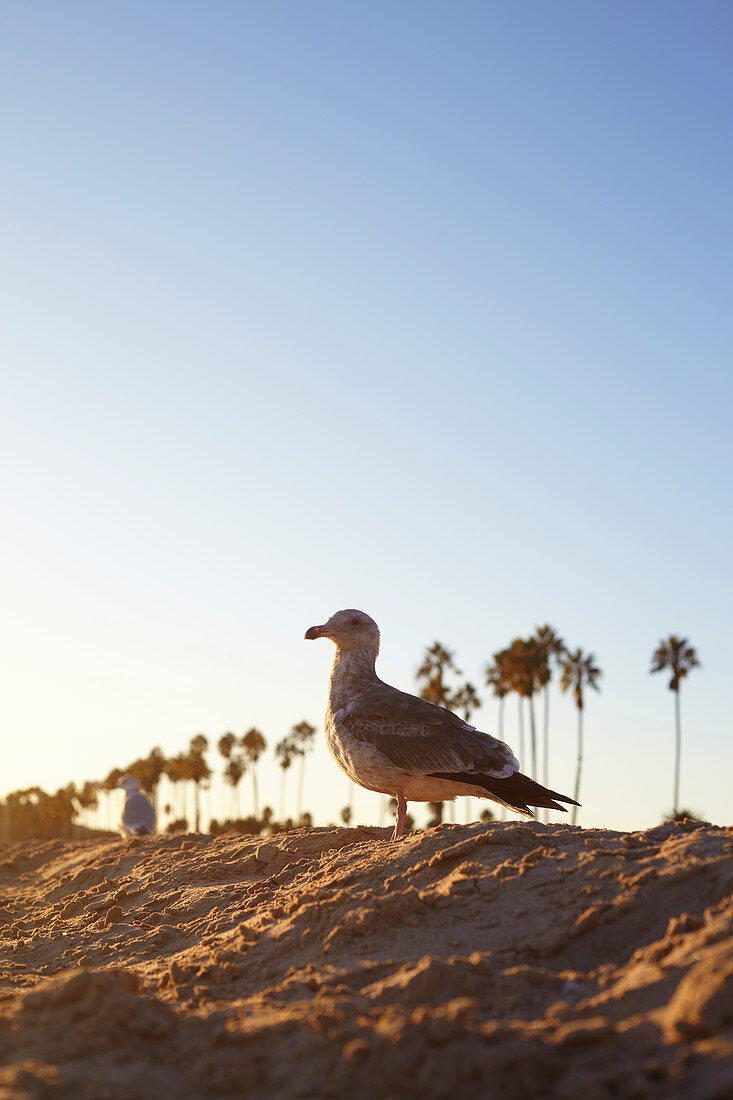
138,812
392,742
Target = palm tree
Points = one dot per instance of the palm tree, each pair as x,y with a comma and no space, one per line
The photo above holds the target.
553,647
254,744
496,679
178,771
302,735
148,771
527,672
680,658
199,771
465,701
578,671
233,773
436,663
109,785
88,799
284,753
225,744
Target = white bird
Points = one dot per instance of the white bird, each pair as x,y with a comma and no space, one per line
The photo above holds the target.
389,741
138,812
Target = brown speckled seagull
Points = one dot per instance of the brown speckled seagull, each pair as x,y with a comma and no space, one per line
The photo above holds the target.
392,742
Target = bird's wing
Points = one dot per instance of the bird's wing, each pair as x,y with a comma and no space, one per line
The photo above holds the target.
138,813
421,738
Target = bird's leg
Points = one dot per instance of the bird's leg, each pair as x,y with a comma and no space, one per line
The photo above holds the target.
401,816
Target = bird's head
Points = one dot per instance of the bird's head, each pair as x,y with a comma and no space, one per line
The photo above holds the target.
348,629
129,783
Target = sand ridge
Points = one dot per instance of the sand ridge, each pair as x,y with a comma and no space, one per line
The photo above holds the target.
508,960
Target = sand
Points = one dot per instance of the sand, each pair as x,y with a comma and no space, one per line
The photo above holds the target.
501,960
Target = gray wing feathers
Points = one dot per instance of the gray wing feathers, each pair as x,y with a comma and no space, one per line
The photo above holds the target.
421,738
138,814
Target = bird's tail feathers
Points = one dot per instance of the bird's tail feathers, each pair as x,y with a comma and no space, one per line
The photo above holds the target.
518,792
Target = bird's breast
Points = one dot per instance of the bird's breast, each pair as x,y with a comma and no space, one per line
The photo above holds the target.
362,763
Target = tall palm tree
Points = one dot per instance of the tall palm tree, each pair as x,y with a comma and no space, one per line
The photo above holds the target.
553,647
254,744
680,658
224,745
109,785
496,679
199,772
465,701
578,671
284,753
527,673
177,770
233,773
88,798
437,662
302,735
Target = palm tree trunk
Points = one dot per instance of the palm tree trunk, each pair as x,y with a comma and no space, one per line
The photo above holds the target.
301,782
546,746
678,739
576,792
255,793
196,807
501,738
521,729
533,736
546,739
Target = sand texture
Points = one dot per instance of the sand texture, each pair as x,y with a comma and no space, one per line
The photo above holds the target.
501,960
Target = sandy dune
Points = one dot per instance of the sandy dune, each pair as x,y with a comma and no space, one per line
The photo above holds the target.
508,960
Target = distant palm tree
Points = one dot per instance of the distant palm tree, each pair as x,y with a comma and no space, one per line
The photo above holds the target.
148,771
88,799
199,772
233,773
527,673
437,662
465,701
109,785
178,772
578,671
225,744
496,679
284,753
302,735
554,647
254,744
677,655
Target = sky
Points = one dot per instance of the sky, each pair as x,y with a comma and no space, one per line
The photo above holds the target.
419,308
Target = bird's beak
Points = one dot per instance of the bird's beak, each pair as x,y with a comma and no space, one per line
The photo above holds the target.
315,632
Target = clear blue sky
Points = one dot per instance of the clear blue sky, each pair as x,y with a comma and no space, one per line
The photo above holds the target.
422,308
